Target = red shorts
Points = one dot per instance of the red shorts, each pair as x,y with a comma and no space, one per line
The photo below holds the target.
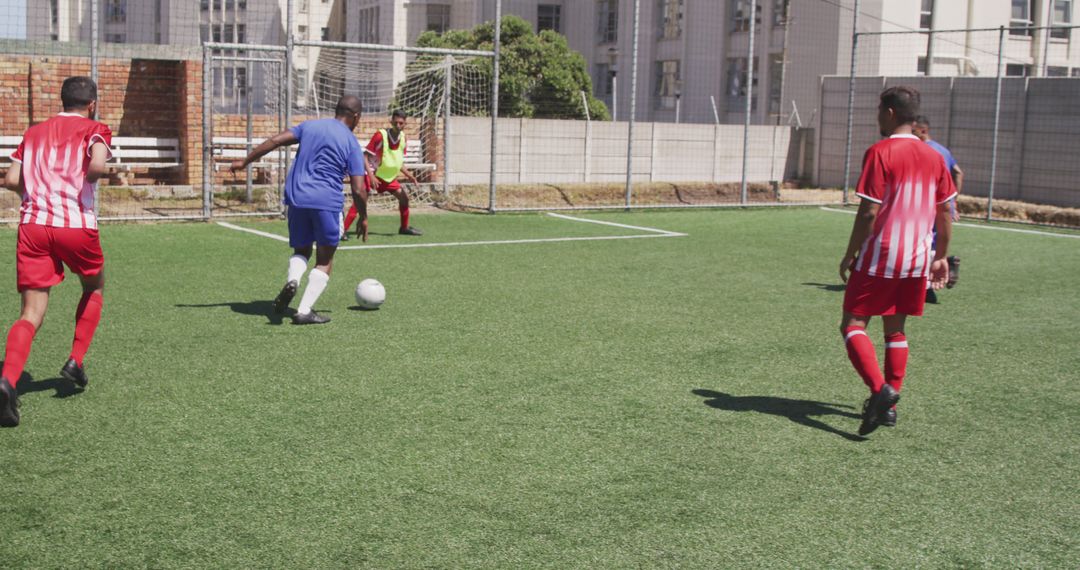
43,251
384,186
867,296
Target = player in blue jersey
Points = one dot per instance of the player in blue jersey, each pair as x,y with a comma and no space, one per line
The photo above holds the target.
328,152
922,130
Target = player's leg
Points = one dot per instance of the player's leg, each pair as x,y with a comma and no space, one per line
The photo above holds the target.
350,217
80,249
403,209
860,350
326,233
896,357
301,236
17,350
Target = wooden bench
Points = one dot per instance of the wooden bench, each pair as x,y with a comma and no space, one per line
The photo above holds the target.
414,157
227,149
129,153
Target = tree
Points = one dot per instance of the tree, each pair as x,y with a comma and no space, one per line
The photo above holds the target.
539,75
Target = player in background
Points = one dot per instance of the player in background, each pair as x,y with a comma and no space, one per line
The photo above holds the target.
905,190
55,169
922,130
387,147
328,151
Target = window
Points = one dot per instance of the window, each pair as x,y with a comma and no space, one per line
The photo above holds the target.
304,6
548,17
302,31
1062,17
325,35
369,25
668,84
438,18
740,15
115,38
1021,18
779,13
776,84
607,21
1057,71
671,12
602,81
920,66
926,15
116,11
737,78
1076,72
54,12
1017,70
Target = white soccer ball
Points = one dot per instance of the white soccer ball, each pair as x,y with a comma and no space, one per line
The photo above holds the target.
370,294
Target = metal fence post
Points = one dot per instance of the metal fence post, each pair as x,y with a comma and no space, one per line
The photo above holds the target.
249,131
94,75
289,91
208,148
749,101
447,82
633,106
851,101
494,107
997,125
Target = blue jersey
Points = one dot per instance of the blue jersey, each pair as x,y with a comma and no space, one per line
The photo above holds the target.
328,151
950,162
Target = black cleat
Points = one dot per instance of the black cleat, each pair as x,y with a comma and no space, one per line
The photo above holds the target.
285,296
931,297
954,271
410,231
72,371
311,318
875,407
888,419
9,404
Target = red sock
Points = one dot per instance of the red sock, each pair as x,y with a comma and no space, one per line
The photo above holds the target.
404,218
896,353
87,317
861,353
350,217
17,350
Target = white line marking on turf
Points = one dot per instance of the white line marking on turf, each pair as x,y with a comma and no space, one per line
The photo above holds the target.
980,227
656,233
251,231
641,228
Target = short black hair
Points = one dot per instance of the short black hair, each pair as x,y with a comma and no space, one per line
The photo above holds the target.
78,92
398,113
922,120
903,100
348,105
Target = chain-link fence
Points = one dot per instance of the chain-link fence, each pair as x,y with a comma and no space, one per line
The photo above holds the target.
999,99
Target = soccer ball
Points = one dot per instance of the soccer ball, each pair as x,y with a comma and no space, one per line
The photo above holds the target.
370,294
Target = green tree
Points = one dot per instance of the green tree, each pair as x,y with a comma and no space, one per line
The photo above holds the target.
539,75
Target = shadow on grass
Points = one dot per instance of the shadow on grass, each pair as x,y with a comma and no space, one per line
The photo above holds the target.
63,388
802,412
835,287
253,308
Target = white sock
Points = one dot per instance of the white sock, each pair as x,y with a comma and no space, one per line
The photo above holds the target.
297,267
341,224
316,283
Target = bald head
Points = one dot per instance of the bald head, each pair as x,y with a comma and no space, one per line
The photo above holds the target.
348,106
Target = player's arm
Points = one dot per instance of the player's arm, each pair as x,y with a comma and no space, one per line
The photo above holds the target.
13,179
408,174
939,268
284,138
958,178
360,196
99,155
860,230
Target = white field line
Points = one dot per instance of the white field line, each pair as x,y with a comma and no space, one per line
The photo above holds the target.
981,227
655,233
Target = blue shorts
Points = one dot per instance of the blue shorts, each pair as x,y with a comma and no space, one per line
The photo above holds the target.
308,225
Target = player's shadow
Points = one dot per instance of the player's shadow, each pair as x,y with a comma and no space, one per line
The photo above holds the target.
260,308
835,287
62,387
803,412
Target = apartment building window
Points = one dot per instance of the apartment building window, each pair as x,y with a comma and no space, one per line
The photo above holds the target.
1020,18
776,84
115,38
1075,72
740,15
304,6
325,34
926,14
779,13
737,79
920,65
1017,70
116,11
671,12
668,84
607,21
438,18
602,80
1057,71
1062,17
369,25
302,31
549,17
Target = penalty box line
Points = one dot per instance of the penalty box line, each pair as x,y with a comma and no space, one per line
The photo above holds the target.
653,233
981,227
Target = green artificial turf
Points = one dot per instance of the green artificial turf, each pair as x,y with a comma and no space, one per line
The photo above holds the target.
668,402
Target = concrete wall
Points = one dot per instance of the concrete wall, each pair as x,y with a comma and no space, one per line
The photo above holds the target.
1036,141
537,151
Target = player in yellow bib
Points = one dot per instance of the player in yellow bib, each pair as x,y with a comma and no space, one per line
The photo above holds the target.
387,151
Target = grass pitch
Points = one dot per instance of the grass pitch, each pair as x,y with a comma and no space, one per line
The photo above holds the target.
664,402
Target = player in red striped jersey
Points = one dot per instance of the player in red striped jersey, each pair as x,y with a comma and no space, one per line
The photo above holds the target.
55,169
905,189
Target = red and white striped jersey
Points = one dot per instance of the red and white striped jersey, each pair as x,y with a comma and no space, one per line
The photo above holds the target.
55,156
909,179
